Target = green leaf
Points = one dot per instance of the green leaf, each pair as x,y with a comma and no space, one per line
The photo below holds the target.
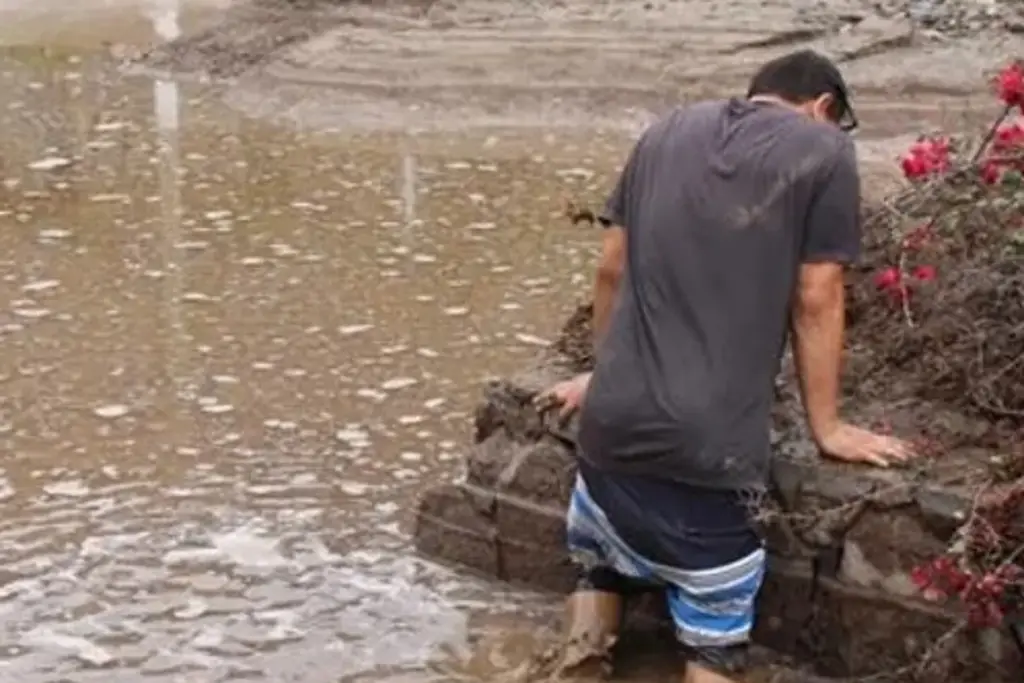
1012,179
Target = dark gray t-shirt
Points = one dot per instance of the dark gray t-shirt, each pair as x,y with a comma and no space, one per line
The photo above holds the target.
721,202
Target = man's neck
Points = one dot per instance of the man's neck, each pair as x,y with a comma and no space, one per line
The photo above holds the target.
772,99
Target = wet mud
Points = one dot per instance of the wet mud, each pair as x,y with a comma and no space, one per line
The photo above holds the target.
234,353
543,66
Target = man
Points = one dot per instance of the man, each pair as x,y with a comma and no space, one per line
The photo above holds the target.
729,227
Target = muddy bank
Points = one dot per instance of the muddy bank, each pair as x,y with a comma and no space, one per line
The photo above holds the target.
482,63
246,36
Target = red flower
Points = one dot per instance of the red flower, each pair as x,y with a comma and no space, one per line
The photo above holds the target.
926,157
1009,137
991,172
921,578
1010,84
925,273
914,167
888,279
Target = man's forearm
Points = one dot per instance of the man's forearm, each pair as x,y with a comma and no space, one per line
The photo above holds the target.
818,351
606,288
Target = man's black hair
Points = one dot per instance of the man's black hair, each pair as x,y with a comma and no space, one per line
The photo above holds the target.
803,76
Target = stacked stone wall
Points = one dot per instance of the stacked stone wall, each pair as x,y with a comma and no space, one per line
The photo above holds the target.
842,540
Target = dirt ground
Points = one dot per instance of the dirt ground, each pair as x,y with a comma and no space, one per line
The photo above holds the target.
623,53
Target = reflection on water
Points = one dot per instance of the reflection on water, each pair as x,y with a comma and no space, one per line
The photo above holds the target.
87,23
233,355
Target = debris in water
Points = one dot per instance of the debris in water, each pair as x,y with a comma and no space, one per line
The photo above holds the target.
194,609
54,233
347,330
111,411
354,435
398,383
71,489
353,488
40,285
108,198
31,312
531,339
217,408
371,394
50,164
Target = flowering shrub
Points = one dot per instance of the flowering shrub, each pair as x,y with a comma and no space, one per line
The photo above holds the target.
965,213
985,574
986,596
997,165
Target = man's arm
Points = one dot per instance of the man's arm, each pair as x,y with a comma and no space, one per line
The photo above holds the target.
831,241
818,327
616,219
609,274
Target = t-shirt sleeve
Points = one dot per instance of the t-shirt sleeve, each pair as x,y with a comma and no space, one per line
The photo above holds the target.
616,209
833,229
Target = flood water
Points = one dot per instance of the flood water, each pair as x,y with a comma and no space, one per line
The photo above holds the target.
233,354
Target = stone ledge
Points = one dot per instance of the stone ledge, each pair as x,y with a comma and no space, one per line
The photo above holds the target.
842,539
846,630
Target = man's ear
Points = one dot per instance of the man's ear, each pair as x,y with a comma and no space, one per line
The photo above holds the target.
824,107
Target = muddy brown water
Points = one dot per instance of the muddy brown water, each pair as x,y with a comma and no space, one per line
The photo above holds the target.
232,356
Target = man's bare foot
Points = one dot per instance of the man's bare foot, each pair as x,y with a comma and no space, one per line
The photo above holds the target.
592,629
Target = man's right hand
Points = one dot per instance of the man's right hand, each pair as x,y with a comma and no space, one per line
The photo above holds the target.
851,444
568,395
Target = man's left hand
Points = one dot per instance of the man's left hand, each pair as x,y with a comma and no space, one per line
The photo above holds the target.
568,395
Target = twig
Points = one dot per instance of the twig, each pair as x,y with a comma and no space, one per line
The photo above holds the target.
904,290
990,134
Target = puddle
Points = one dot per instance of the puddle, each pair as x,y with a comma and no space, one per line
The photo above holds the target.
233,356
